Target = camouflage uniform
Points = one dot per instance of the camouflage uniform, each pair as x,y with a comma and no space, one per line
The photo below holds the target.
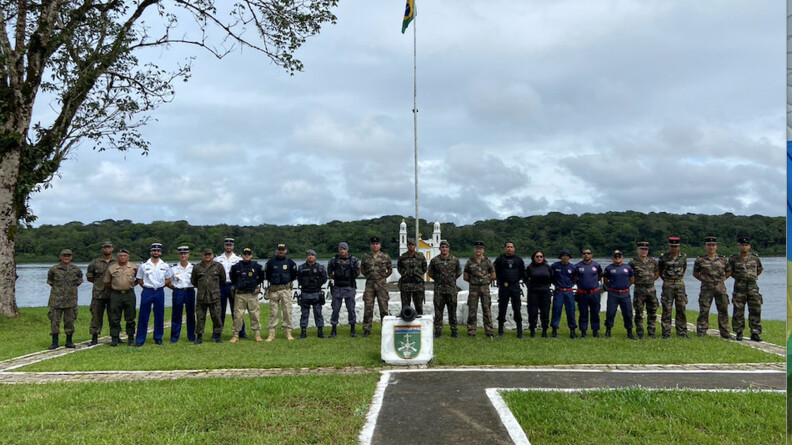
713,273
445,272
207,281
376,269
672,271
64,281
411,282
745,272
645,294
101,295
479,273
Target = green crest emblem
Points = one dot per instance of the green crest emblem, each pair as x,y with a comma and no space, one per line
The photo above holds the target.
407,341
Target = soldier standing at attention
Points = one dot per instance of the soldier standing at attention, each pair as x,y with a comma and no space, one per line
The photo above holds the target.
538,277
445,269
479,272
120,280
746,268
412,267
376,267
343,269
509,269
227,292
617,278
100,301
311,277
672,266
64,279
712,270
280,272
153,275
207,277
646,273
563,297
183,296
588,274
247,276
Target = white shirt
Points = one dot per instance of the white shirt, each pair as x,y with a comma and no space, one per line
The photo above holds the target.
181,276
154,276
227,263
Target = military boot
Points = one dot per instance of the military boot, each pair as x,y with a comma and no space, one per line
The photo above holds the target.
500,329
352,332
519,331
544,333
333,332
114,342
640,334
630,335
198,339
288,335
739,336
755,337
572,334
454,334
533,333
94,339
582,333
320,334
437,334
258,338
217,338
54,344
303,334
555,333
366,333
607,333
130,340
69,343
234,339
271,336
595,334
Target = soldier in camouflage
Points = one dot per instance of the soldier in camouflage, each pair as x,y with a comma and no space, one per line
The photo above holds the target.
479,272
101,295
672,266
445,269
64,279
376,266
644,294
712,270
412,267
746,268
207,277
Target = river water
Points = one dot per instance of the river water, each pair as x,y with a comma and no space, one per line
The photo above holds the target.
32,289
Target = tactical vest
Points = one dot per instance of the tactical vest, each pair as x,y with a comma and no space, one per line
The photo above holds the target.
310,279
247,277
279,271
344,271
510,269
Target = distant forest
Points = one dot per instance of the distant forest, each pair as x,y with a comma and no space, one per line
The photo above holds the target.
550,233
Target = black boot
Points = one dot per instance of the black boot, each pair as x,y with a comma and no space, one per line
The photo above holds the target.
500,329
454,334
54,344
555,332
114,342
94,339
572,334
302,333
630,335
582,334
333,332
595,334
544,333
739,336
130,340
756,337
607,333
437,334
69,343
320,334
519,331
217,338
198,339
352,332
533,333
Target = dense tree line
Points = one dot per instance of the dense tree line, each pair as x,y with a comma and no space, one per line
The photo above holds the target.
551,233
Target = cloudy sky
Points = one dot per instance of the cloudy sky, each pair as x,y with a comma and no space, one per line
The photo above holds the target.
526,107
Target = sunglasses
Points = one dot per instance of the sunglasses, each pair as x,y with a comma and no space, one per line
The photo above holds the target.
586,253
539,256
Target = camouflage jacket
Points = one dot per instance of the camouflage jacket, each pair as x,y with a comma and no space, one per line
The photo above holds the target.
377,267
207,281
644,270
672,268
479,272
96,271
745,269
412,270
64,281
445,272
712,271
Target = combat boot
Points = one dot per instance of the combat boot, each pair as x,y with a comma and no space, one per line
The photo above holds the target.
739,336
198,339
271,336
555,333
333,332
288,335
582,333
533,333
54,344
607,333
258,338
69,343
640,334
352,332
755,337
217,338
595,334
630,335
114,342
437,334
519,331
454,334
94,339
366,333
303,333
572,334
320,334
234,339
544,333
130,340
500,329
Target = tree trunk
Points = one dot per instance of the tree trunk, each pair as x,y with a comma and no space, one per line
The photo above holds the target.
9,175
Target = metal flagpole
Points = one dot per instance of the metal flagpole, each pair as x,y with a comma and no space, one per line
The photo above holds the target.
415,119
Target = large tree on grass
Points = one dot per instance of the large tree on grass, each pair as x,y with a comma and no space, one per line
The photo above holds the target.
79,58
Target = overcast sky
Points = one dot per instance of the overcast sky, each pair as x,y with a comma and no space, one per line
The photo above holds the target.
526,107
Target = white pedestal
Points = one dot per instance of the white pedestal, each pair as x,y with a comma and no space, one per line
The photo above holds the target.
407,342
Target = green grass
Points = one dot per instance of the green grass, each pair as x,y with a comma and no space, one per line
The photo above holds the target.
639,416
773,331
282,410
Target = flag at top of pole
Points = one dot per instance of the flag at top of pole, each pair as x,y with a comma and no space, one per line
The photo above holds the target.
409,14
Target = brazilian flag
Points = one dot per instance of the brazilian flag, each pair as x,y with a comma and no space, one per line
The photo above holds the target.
409,14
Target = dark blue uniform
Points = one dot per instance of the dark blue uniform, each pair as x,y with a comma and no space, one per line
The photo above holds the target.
563,296
588,294
619,294
538,278
509,270
311,279
344,272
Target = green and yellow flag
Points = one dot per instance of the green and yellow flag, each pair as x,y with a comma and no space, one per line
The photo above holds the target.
409,14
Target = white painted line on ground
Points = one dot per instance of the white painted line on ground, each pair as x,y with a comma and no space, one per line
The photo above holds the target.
507,417
367,433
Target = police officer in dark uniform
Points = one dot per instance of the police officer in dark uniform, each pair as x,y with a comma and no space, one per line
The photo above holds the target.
343,269
246,277
311,276
509,270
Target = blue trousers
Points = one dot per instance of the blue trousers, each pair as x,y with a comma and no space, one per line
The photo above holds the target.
563,300
151,298
343,295
305,309
589,303
226,295
617,300
183,298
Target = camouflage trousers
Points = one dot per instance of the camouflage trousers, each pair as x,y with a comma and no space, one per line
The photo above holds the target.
476,294
674,294
645,295
442,299
747,293
375,290
214,312
69,316
98,308
414,297
718,293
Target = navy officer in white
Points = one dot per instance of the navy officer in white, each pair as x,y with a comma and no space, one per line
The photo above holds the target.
183,296
228,258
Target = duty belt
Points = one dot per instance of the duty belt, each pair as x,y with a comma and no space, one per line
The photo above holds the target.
618,291
587,291
564,289
508,283
275,287
673,281
123,292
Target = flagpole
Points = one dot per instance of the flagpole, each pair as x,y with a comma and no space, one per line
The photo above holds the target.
415,119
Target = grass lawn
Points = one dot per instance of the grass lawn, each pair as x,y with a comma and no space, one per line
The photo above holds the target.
639,416
282,410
